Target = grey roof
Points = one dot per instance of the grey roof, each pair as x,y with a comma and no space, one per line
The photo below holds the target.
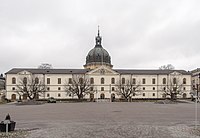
150,72
48,71
83,71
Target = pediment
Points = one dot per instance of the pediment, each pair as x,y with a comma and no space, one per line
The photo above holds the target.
103,71
24,72
175,73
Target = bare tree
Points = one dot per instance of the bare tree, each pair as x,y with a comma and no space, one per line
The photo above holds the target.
31,86
79,85
2,82
173,88
167,67
128,89
45,66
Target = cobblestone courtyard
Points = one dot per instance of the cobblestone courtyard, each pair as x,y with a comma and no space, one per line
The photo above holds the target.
104,120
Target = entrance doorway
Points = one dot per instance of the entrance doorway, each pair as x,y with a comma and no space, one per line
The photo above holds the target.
91,97
102,96
112,97
24,97
184,95
13,97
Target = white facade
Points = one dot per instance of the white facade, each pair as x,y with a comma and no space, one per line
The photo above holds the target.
98,66
151,89
195,77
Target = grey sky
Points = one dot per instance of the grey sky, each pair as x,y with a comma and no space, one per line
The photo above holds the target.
138,34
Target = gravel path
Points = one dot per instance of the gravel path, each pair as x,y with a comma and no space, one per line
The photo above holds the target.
112,130
103,120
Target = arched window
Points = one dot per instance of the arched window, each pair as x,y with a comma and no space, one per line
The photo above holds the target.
184,80
13,80
102,80
81,80
36,80
174,80
123,80
91,80
164,80
113,80
25,80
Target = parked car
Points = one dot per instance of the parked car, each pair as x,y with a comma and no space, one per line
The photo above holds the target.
51,100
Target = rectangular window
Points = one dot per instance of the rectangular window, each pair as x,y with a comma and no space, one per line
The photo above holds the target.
102,88
153,94
70,80
134,81
143,81
143,88
113,88
153,81
48,89
48,80
13,88
59,80
59,88
143,94
164,88
123,80
91,88
153,88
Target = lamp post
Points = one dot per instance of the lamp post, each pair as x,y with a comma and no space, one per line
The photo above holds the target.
197,99
96,95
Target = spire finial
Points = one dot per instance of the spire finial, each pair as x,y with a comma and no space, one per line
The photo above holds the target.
98,38
98,30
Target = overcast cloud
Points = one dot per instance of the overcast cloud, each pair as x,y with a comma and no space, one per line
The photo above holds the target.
138,34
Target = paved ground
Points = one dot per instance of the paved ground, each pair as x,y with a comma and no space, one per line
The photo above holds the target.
104,120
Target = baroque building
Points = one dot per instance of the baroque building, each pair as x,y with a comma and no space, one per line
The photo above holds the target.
196,79
105,82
